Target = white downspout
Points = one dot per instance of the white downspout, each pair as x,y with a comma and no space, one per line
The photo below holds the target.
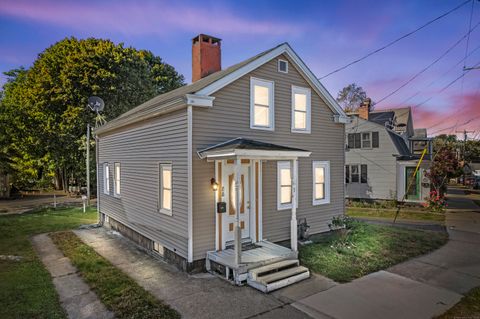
238,231
293,222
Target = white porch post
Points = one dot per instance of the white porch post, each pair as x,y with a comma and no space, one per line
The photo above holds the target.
293,222
237,231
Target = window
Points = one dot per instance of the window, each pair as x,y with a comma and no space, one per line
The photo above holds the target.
261,104
158,248
117,179
366,140
363,140
282,66
321,182
363,174
356,173
166,189
301,104
284,185
106,179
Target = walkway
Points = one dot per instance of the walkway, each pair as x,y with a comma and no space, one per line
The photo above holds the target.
419,288
75,295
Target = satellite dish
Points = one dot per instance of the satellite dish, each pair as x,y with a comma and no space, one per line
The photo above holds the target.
96,104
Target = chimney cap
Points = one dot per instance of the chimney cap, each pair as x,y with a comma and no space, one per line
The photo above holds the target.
203,35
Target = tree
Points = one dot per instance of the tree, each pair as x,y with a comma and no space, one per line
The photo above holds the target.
45,106
351,97
444,166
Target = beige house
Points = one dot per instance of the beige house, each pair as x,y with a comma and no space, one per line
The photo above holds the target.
213,174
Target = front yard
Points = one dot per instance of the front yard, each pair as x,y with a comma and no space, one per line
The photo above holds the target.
405,214
365,249
26,289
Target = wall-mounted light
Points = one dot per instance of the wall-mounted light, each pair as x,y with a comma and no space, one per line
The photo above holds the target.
214,184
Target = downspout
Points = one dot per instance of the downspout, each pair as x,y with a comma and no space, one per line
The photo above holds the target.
189,182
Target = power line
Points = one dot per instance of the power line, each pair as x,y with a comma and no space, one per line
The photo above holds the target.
395,41
456,125
427,67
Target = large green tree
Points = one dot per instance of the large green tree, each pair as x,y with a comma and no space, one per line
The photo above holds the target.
45,106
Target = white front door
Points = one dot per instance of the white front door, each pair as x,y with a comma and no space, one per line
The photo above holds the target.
228,183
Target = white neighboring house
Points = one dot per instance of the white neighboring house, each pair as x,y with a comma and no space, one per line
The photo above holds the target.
382,152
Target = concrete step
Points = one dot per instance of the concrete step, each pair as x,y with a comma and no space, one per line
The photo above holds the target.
276,276
263,270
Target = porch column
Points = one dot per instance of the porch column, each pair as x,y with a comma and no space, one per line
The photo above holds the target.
237,230
293,222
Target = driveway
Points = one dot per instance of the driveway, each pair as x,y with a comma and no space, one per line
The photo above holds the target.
35,201
419,288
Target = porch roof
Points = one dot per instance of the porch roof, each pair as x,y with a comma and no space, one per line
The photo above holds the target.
246,148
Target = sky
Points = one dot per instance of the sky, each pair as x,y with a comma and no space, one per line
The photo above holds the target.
326,34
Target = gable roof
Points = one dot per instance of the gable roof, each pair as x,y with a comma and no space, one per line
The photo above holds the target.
214,82
402,114
381,117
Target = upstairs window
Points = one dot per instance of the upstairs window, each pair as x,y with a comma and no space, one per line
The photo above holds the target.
363,140
321,182
166,189
261,104
117,179
301,105
106,179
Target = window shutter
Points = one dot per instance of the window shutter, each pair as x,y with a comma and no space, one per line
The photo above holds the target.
347,174
363,178
358,140
351,140
375,138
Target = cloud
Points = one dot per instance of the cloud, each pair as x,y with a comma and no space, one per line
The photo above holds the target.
144,18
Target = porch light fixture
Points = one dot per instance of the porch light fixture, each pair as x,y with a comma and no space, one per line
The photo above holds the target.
214,184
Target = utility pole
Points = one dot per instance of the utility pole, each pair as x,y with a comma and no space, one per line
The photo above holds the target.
465,137
88,164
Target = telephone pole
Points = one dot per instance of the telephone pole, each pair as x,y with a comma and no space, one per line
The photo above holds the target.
465,137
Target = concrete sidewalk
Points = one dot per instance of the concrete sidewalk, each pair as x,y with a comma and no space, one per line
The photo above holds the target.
419,288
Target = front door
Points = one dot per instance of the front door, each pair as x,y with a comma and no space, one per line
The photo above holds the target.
414,192
228,220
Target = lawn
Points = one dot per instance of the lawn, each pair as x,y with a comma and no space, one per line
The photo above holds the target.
366,249
468,307
26,289
390,214
116,290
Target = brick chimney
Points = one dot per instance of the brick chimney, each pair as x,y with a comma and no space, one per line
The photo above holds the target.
206,56
364,109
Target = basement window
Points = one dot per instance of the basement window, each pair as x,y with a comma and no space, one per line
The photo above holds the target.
283,66
158,248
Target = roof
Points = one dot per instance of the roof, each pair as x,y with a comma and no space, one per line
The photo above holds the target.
381,117
215,81
402,115
399,143
240,143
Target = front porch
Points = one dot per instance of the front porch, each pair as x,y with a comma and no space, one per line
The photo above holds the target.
242,255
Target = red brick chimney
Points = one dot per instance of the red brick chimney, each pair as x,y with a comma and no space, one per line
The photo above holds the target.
364,109
206,56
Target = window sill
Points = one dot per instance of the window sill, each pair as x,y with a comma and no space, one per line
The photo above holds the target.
166,211
301,131
263,128
321,202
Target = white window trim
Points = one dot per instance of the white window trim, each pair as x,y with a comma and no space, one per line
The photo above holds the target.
106,179
308,93
285,164
115,194
162,210
278,65
271,87
370,139
326,167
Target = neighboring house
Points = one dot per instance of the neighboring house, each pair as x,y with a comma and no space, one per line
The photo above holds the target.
382,152
215,167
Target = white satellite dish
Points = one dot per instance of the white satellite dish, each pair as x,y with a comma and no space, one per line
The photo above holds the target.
96,104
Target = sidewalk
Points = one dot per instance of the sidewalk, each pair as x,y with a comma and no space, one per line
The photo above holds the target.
420,288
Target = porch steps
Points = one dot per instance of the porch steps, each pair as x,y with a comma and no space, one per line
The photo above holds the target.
277,275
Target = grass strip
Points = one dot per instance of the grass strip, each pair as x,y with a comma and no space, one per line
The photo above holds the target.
467,307
118,292
390,214
365,249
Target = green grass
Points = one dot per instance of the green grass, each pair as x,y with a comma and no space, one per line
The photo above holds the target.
468,307
26,289
366,249
390,214
116,290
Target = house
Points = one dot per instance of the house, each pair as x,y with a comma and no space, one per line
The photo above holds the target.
382,153
213,174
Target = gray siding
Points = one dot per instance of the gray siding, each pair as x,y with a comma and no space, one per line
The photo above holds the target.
230,118
381,164
139,149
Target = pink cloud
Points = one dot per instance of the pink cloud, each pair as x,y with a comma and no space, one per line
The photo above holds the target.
150,17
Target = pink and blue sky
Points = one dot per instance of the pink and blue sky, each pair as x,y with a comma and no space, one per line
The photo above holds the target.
326,34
